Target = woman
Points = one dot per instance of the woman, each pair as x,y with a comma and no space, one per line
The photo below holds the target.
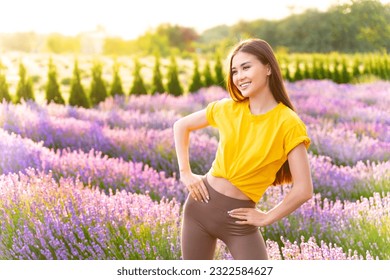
262,142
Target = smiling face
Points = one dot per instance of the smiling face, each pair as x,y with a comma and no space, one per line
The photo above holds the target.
249,74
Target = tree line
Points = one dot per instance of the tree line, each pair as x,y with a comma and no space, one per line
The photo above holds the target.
355,26
340,68
100,89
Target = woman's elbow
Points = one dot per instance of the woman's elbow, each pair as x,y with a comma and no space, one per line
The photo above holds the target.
304,191
308,192
308,196
177,124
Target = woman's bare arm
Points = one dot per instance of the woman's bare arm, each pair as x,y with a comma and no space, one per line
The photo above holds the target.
182,129
301,191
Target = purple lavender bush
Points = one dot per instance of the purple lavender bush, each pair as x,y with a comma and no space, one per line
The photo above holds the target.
43,219
93,168
102,183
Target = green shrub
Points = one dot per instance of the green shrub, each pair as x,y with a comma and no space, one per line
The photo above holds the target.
77,93
98,88
24,88
52,88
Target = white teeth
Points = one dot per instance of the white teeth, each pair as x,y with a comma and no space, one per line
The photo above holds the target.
244,85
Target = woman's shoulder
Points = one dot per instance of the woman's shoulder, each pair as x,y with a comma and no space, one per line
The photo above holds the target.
224,103
289,116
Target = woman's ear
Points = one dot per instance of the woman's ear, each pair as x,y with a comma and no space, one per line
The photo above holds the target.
268,70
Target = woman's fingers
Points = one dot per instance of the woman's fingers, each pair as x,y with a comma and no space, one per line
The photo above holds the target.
240,213
250,216
196,193
199,191
204,192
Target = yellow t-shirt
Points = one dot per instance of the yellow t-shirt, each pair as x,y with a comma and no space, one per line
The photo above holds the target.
252,148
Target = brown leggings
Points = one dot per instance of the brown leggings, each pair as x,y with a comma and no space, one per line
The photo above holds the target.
204,223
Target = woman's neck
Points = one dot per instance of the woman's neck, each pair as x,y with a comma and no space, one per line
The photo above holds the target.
262,103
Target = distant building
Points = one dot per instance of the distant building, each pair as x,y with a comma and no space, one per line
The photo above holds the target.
92,42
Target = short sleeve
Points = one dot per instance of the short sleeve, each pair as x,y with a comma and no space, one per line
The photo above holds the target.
210,112
296,135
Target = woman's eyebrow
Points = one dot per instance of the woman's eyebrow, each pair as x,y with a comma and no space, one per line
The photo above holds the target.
242,64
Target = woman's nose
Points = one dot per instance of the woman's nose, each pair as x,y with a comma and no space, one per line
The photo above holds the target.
240,75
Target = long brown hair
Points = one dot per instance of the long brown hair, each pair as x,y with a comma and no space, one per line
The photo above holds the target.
264,53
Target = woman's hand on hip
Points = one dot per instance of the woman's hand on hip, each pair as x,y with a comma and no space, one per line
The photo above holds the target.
195,186
250,216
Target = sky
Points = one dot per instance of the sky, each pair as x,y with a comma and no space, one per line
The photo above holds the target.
131,18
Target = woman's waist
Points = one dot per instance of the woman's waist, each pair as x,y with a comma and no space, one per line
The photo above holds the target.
225,187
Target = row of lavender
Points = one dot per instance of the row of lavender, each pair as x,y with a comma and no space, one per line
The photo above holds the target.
348,125
343,123
93,167
126,135
45,219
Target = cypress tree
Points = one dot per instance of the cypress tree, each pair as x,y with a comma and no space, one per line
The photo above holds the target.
218,70
315,70
116,86
98,89
336,72
208,79
138,86
77,94
366,69
4,91
173,85
345,77
24,88
287,74
355,68
375,66
298,72
196,82
372,66
306,70
286,69
328,71
322,69
52,87
381,65
157,84
386,68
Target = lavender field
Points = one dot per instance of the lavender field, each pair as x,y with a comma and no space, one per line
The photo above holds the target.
102,183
